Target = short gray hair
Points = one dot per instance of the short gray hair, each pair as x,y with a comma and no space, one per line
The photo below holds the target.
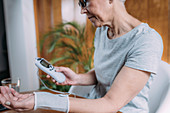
123,1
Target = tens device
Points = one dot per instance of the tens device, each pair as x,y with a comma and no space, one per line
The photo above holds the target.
49,69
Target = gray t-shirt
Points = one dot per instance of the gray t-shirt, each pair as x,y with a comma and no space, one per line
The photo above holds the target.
141,49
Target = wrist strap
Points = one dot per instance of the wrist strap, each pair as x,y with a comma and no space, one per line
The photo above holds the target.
58,102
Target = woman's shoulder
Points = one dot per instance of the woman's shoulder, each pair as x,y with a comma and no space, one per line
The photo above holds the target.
149,35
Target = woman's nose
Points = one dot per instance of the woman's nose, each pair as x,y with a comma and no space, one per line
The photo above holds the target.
83,10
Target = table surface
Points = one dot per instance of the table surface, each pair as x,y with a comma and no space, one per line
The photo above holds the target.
41,110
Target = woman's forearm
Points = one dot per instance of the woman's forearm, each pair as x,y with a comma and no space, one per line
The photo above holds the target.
100,105
88,78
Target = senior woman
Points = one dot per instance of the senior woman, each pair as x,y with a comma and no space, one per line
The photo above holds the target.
127,53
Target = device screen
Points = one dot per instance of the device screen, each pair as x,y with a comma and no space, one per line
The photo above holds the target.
44,63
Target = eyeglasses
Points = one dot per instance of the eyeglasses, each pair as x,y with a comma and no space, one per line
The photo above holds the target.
82,3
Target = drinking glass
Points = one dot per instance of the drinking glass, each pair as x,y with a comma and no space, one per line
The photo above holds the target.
11,83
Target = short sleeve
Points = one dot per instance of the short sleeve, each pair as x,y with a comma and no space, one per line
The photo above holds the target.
146,53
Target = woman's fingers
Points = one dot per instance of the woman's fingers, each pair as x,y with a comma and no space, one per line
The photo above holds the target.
53,80
7,105
15,93
58,69
8,90
24,104
3,101
48,76
4,93
63,83
61,69
70,75
4,97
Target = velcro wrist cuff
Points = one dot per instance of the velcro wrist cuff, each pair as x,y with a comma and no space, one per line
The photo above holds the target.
50,101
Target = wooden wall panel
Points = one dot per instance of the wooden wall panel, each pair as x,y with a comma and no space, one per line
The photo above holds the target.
37,27
45,24
169,31
56,12
138,8
158,19
47,15
44,15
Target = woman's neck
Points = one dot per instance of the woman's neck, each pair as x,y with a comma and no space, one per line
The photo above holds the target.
121,23
120,28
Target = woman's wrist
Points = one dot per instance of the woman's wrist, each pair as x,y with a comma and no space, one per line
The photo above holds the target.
79,79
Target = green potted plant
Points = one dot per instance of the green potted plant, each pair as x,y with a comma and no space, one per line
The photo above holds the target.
69,47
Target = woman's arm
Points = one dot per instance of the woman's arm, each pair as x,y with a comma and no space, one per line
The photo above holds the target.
128,83
88,78
73,78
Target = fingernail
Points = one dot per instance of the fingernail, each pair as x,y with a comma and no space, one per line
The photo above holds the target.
8,103
57,69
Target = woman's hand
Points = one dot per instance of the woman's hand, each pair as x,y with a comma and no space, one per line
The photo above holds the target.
13,100
71,77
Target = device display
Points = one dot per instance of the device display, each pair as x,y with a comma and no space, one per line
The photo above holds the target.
44,63
45,66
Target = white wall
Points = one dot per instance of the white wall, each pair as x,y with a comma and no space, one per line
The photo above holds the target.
21,42
71,12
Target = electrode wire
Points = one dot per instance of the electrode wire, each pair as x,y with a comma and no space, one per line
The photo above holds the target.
61,93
